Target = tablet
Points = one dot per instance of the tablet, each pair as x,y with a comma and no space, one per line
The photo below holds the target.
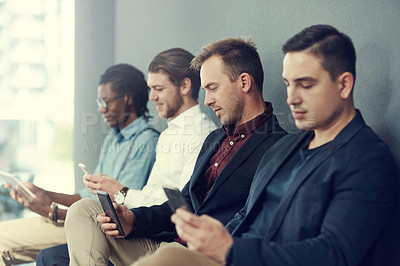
109,210
14,181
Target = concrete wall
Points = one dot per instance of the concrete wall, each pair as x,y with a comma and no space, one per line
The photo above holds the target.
94,52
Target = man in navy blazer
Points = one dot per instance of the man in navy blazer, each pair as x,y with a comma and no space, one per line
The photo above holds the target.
232,76
321,196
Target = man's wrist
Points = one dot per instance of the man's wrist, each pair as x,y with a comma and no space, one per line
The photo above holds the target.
133,229
53,214
120,196
51,210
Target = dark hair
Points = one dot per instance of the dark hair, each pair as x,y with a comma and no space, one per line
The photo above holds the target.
175,63
238,55
125,79
335,49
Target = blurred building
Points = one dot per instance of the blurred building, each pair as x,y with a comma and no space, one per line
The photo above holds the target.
36,91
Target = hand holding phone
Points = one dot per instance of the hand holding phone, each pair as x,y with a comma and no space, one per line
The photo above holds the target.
175,199
109,210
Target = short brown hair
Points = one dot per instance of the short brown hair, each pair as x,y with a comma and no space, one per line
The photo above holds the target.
175,63
238,55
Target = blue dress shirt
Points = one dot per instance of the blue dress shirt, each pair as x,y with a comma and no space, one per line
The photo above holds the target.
127,155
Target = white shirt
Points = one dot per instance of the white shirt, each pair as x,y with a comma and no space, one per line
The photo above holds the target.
177,149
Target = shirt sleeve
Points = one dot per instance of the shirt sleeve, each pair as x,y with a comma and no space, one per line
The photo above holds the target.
194,143
84,192
141,159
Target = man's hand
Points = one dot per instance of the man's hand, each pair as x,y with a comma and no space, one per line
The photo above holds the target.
40,204
203,234
126,218
103,183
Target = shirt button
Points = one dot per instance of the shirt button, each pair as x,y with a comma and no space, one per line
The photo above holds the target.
216,164
231,142
242,136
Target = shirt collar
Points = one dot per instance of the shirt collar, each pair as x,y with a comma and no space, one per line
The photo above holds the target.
181,119
131,129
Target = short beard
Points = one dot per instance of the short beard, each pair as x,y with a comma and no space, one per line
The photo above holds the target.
235,115
178,102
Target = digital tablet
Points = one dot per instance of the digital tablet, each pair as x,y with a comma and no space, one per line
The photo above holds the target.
109,210
14,182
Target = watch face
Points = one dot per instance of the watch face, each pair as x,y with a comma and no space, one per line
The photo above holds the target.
119,198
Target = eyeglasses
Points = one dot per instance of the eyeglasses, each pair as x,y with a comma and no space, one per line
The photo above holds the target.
104,104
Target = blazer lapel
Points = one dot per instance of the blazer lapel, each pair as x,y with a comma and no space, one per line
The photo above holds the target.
241,155
301,176
347,133
201,166
270,165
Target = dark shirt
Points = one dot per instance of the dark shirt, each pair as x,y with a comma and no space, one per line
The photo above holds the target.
236,137
268,203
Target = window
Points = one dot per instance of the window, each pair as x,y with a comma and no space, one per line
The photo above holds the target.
36,95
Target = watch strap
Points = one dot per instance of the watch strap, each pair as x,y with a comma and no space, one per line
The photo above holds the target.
124,190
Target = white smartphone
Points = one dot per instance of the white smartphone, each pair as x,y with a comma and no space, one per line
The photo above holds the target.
14,182
84,169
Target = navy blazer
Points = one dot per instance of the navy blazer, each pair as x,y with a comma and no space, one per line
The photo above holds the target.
229,192
334,210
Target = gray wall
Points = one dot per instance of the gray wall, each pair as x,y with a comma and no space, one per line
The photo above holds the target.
144,28
94,52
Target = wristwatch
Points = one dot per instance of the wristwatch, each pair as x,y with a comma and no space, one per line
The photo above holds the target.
120,196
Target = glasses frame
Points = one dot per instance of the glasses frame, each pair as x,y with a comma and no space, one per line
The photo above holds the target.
101,103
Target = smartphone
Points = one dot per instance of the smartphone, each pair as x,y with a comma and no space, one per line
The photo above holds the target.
109,210
14,182
84,169
175,199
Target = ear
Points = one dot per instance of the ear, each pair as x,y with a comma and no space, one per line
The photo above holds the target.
346,83
186,86
245,82
129,99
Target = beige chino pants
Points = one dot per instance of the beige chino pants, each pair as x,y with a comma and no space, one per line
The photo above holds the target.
175,256
22,239
88,245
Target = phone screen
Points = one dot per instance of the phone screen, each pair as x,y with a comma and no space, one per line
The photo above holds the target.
109,210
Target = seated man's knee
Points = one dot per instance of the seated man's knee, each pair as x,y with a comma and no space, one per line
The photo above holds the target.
83,207
166,255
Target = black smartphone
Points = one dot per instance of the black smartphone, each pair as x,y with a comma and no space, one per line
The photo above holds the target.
109,210
175,199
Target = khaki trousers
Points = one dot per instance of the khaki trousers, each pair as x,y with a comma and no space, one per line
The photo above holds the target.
22,239
88,245
175,256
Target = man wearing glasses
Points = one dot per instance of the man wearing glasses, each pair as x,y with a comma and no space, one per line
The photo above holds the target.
128,155
174,88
